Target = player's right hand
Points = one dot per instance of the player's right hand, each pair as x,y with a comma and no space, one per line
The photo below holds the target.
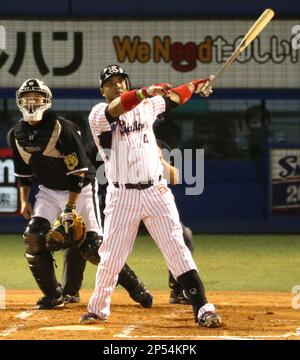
161,89
26,209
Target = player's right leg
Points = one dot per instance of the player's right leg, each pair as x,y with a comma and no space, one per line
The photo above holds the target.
90,210
120,229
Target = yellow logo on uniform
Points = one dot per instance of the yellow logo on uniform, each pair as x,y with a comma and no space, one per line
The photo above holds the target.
71,161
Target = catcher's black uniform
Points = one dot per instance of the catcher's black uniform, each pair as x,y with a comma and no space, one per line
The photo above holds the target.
50,152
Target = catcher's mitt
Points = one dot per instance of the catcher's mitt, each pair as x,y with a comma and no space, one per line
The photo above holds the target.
67,234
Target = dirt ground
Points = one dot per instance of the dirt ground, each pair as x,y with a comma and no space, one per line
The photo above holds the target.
246,315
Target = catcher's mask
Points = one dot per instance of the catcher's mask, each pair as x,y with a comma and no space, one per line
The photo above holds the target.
113,70
33,99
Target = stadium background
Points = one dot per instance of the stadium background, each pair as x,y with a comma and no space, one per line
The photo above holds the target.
241,196
67,42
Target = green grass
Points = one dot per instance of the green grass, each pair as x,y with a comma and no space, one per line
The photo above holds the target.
225,262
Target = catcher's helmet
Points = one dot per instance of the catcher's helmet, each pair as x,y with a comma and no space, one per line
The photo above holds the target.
31,108
113,70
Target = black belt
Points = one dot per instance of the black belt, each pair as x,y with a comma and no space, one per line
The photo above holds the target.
138,186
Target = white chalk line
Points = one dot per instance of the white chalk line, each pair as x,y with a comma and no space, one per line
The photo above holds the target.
127,330
11,330
126,333
207,337
23,315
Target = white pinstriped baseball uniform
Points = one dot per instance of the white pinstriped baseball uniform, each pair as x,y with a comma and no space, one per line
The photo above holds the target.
134,158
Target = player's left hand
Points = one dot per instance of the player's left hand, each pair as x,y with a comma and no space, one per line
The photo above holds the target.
202,86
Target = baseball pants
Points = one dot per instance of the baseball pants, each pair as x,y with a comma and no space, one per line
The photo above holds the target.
125,208
49,204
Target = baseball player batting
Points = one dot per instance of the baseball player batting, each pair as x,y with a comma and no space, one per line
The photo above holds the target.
137,190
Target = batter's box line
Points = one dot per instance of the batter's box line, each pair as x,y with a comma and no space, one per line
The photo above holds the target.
23,315
127,330
212,337
11,329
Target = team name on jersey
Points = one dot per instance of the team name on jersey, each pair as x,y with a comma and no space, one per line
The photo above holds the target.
132,128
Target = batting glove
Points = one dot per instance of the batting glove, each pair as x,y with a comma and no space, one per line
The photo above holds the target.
202,87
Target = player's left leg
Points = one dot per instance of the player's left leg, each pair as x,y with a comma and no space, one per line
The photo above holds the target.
165,228
120,229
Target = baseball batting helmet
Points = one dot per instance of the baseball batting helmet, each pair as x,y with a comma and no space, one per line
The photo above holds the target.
113,70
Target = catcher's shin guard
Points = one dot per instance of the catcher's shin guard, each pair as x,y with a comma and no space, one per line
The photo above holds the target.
136,289
39,259
74,265
42,269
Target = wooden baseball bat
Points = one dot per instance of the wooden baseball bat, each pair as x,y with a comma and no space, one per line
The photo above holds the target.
253,32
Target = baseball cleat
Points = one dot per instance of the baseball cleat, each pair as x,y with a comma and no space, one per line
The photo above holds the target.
71,299
147,301
142,296
177,297
91,318
210,319
50,302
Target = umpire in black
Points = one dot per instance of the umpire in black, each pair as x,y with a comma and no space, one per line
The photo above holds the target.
48,148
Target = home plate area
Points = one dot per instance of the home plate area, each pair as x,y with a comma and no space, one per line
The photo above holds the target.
245,316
